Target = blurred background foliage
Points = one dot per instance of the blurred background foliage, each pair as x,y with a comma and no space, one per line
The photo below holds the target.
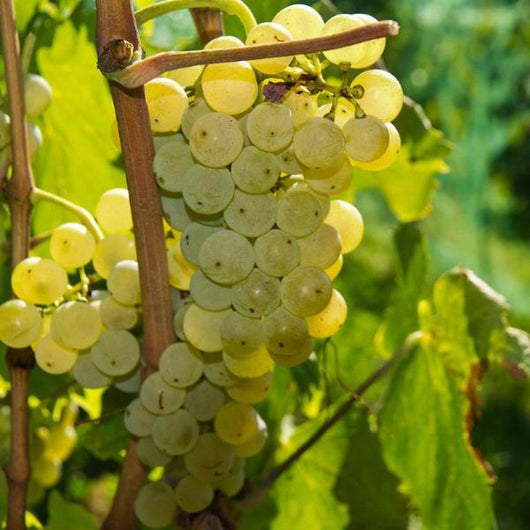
467,63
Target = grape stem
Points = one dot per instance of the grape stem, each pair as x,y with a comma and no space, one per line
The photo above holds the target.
231,7
18,189
142,71
255,496
82,214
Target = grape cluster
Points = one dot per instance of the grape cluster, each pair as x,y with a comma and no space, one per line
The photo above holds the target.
37,98
70,325
248,158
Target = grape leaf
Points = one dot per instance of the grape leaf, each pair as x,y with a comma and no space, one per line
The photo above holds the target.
408,185
425,442
64,515
105,440
402,317
81,165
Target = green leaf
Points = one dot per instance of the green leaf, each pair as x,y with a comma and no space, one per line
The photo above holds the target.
425,442
77,159
401,318
24,10
105,440
408,185
64,515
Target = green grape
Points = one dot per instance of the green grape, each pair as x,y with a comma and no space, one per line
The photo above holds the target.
187,76
72,245
110,250
288,162
254,445
302,104
217,373
318,143
203,328
193,495
321,248
253,365
298,183
223,42
251,390
178,321
155,505
302,21
138,420
87,375
60,442
20,323
240,335
149,453
170,164
251,215
330,319
192,239
305,291
180,269
232,483
277,253
229,87
197,108
210,459
76,325
39,281
390,154
37,95
52,357
348,222
366,138
116,353
235,422
255,171
113,211
207,294
287,334
207,190
226,257
373,49
176,433
331,181
117,316
160,398
46,471
268,33
216,139
176,213
123,283
166,102
270,126
129,383
299,212
181,365
204,400
256,296
380,94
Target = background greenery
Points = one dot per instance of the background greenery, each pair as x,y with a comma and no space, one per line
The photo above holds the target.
403,459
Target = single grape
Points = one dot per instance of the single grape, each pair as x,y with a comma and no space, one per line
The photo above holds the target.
204,400
299,212
76,325
366,138
166,102
138,420
72,245
176,433
180,269
330,319
110,250
52,357
86,373
202,328
254,444
156,505
210,459
236,423
277,253
123,283
209,295
288,162
267,33
196,109
240,335
37,95
217,373
321,248
160,398
193,495
20,323
390,154
116,353
192,239
270,126
253,365
224,42
180,365
171,162
149,453
117,316
186,76
348,222
302,21
113,211
256,296
251,215
333,180
251,390
255,171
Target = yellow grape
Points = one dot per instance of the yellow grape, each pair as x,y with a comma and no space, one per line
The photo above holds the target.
111,250
267,33
390,154
348,222
72,245
333,270
20,323
253,365
180,269
236,423
366,138
76,325
166,102
331,319
113,211
54,358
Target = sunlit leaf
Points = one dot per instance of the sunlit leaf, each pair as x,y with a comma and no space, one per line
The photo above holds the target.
64,515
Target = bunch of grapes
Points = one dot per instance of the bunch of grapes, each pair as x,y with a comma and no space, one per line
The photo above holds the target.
251,159
248,156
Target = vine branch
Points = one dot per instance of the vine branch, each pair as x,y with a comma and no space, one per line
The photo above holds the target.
142,71
18,190
116,23
410,342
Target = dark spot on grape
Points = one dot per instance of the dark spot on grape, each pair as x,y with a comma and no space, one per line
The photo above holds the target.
252,310
243,343
113,363
241,210
217,263
204,133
